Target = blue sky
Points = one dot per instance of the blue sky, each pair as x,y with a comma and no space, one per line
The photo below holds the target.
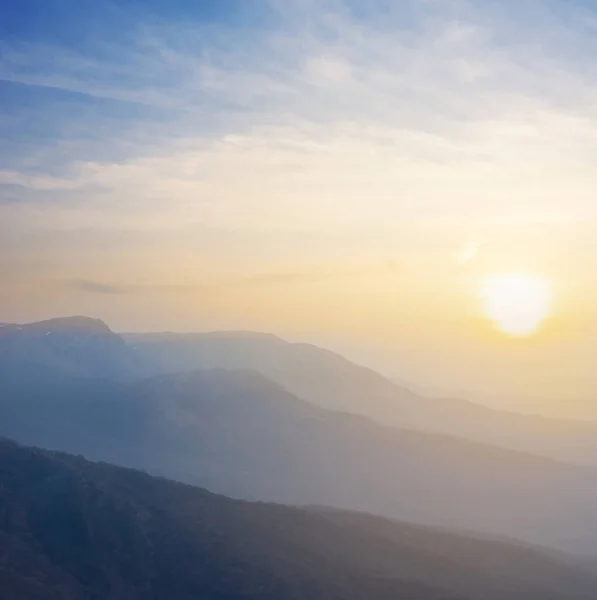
252,163
70,66
94,73
106,67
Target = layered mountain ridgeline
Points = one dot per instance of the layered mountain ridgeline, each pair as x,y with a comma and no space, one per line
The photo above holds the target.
84,347
71,529
330,381
237,433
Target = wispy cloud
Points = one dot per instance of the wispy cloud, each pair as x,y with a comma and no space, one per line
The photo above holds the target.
415,122
96,287
336,119
313,274
308,274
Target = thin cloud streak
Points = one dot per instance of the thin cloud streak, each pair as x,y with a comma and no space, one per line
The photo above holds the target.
437,119
312,274
96,287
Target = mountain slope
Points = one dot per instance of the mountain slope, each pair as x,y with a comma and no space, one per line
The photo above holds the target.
75,530
237,433
330,381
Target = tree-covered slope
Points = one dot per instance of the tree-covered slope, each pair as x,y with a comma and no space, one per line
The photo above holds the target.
71,529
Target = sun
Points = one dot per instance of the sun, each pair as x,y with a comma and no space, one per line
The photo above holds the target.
516,303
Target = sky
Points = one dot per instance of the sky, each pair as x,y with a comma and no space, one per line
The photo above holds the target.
341,172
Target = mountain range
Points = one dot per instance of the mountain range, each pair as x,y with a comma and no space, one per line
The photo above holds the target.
73,385
84,347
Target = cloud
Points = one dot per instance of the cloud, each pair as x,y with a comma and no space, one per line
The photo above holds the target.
96,287
441,93
313,273
14,179
397,120
305,275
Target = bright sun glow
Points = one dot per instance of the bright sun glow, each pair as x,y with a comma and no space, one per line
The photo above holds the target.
517,304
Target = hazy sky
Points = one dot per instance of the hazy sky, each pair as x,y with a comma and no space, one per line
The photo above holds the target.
339,171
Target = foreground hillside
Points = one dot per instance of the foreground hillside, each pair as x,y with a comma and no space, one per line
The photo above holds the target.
71,529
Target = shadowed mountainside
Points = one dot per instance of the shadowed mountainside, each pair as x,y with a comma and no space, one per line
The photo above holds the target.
71,529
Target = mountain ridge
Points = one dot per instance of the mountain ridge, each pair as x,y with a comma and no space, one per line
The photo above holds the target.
125,534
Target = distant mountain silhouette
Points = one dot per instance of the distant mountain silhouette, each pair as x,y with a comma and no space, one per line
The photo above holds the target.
330,381
237,433
74,346
74,530
76,325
